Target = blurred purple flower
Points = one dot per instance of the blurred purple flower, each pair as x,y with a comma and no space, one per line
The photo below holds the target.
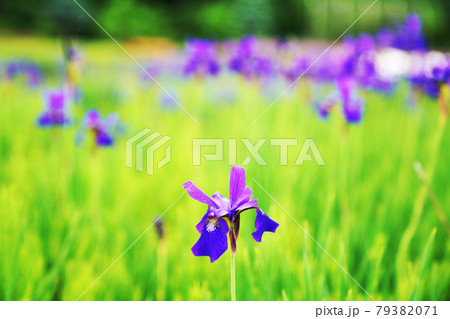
360,62
385,38
31,71
363,43
352,105
202,58
103,129
441,74
426,84
409,36
159,228
299,66
353,110
323,108
55,112
329,68
248,62
382,86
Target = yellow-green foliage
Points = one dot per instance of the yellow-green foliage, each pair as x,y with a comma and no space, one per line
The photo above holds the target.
66,213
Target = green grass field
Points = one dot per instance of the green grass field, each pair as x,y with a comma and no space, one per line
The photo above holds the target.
67,213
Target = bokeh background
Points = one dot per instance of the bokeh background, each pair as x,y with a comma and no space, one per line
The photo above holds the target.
69,206
177,19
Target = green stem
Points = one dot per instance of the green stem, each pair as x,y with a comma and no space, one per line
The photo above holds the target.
418,207
233,276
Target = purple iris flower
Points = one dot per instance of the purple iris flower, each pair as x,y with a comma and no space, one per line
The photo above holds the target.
55,113
426,84
441,74
223,216
103,129
329,68
296,69
353,110
202,58
432,83
409,35
247,62
360,62
323,108
31,71
352,105
385,38
363,43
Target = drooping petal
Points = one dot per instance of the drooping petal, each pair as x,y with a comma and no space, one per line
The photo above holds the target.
262,224
237,183
213,240
197,194
251,203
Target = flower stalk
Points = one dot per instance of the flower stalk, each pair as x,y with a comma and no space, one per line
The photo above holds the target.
233,276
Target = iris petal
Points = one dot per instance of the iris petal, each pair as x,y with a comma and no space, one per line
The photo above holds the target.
103,139
237,183
252,203
221,202
213,241
197,194
245,197
262,224
220,212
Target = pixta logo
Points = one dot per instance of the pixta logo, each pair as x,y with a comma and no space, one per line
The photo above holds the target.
308,151
146,145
